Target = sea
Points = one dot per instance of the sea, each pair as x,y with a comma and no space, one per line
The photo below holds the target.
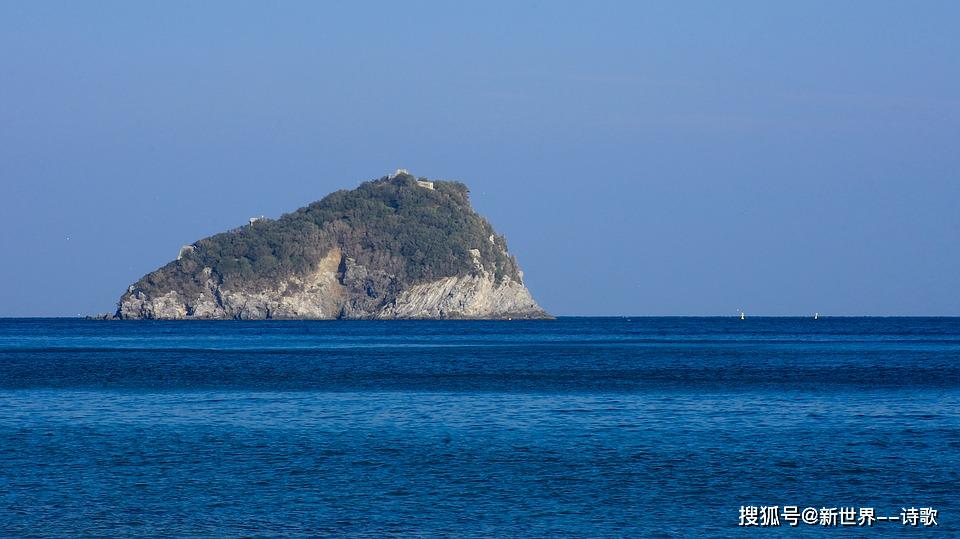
575,427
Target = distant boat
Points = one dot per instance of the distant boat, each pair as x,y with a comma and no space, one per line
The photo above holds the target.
743,315
816,316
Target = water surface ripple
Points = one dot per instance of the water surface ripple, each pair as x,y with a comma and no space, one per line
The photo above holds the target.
585,427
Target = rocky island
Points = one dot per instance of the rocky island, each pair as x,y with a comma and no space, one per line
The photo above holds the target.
399,247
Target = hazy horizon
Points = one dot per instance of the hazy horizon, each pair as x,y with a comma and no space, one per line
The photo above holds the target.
641,159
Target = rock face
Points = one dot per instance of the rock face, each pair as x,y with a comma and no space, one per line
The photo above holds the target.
346,264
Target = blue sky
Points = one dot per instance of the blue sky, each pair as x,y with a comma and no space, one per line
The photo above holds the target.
660,158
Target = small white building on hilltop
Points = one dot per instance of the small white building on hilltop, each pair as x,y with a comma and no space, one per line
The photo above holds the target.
257,219
404,172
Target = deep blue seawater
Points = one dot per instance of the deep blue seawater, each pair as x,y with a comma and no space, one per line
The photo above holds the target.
580,427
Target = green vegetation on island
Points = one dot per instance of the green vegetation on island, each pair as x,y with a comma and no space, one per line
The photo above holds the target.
412,229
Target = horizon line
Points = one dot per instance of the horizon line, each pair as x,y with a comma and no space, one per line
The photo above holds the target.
735,316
